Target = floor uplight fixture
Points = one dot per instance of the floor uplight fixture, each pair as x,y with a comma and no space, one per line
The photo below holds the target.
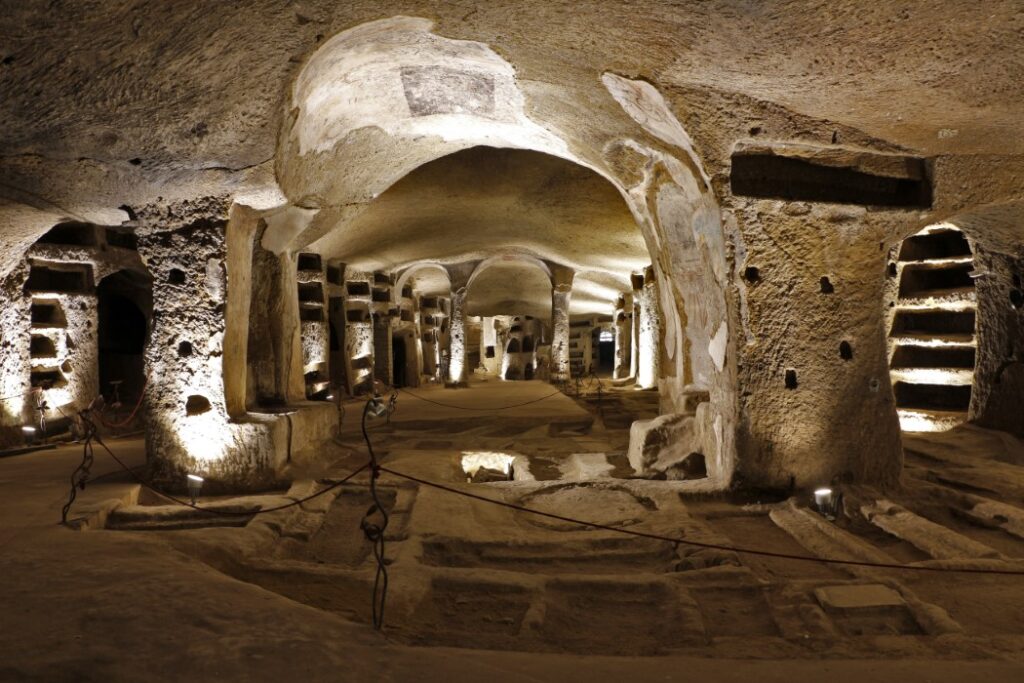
195,485
827,502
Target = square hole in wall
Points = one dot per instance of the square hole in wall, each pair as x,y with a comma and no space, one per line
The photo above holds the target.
334,275
42,347
71,234
357,315
123,239
309,262
47,314
70,279
315,315
311,292
358,288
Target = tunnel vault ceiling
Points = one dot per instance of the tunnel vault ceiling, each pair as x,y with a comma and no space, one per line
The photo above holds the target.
513,288
480,201
126,104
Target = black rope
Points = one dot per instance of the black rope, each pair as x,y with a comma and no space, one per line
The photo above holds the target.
93,436
374,531
80,476
698,544
448,405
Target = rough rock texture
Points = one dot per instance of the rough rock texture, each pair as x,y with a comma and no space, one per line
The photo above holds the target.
809,414
314,114
15,319
667,440
188,425
561,296
999,371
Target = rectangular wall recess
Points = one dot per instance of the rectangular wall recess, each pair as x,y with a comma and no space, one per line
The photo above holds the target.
829,175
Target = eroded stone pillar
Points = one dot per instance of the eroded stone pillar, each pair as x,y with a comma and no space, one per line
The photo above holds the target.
999,368
623,337
457,342
649,347
561,298
15,317
188,428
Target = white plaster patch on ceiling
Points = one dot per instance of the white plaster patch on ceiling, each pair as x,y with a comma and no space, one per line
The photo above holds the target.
718,345
647,107
396,75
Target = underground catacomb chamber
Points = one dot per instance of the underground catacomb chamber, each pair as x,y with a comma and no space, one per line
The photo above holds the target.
608,295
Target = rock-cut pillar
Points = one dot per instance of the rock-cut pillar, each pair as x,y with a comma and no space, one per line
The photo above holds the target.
561,297
649,338
457,339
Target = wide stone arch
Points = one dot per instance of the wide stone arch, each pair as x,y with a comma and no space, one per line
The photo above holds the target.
381,99
407,274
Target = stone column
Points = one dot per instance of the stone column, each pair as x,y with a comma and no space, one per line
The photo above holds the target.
634,324
999,369
623,337
649,350
457,342
561,297
15,336
382,360
187,425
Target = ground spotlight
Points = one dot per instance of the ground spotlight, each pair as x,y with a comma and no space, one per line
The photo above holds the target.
195,485
29,432
827,502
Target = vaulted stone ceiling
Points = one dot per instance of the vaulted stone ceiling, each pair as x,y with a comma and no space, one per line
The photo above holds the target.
516,288
472,204
121,103
465,205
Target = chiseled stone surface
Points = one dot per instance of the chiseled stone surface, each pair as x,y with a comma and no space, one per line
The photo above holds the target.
858,597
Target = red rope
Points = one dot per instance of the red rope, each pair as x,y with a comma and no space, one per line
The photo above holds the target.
127,421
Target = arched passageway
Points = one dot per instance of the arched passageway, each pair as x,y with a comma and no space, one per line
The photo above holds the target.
563,202
125,301
932,328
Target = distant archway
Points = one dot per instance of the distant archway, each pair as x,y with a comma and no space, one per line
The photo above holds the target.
125,303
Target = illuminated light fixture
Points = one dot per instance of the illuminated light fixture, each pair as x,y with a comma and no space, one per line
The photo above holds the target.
195,485
606,336
827,503
29,432
329,397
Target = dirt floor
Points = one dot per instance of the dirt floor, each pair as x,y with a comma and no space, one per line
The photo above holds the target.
145,591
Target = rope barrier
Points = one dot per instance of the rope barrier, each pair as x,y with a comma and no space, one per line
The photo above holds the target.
698,544
375,532
131,416
91,436
21,395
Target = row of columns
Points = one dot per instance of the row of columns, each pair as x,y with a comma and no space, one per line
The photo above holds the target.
640,343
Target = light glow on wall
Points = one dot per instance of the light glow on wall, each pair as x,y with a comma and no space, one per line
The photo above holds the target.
205,437
918,421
